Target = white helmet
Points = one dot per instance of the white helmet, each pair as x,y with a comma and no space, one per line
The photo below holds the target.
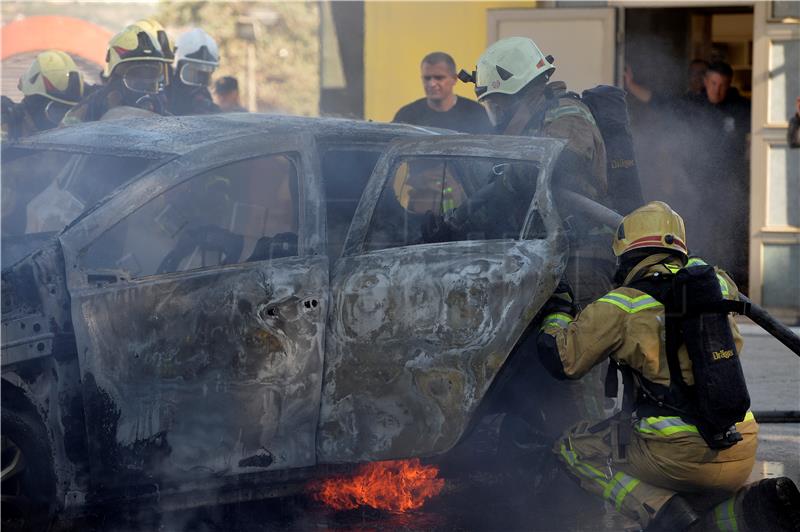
196,57
509,65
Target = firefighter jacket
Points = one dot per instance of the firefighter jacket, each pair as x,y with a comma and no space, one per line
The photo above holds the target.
184,100
581,168
625,324
558,114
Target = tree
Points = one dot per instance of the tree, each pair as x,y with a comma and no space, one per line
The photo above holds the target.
285,39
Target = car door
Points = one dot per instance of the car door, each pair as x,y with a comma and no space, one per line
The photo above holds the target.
422,317
199,296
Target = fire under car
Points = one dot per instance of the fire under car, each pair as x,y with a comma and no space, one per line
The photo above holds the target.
202,310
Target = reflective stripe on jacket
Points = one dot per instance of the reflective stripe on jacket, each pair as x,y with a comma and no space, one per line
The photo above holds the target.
627,325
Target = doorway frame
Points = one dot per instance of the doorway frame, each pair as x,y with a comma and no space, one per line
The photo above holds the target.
766,135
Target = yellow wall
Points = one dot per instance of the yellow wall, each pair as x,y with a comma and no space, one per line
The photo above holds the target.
397,35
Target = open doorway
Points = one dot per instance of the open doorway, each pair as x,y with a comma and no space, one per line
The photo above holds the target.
690,154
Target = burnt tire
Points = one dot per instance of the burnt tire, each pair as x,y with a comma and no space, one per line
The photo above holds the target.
28,481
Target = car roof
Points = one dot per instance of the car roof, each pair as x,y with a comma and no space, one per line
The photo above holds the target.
161,136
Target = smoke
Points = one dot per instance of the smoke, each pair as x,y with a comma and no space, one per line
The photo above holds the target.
690,155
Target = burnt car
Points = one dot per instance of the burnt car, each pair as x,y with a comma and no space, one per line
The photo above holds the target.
212,309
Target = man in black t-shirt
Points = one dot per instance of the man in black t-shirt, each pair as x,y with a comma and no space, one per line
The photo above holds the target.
441,107
718,163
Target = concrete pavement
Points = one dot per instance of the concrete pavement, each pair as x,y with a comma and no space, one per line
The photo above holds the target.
773,378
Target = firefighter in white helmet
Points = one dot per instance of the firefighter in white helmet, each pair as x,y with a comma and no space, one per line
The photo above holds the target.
677,455
196,59
51,86
512,81
134,76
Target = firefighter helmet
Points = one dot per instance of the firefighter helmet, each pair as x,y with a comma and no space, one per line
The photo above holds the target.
197,57
54,75
154,26
509,65
137,42
654,225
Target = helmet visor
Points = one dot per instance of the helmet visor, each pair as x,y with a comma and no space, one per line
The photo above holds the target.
145,78
197,74
499,107
55,111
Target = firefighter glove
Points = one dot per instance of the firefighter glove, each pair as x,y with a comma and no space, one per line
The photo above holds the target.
562,300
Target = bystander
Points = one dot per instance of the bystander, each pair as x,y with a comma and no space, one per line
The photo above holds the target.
226,91
793,135
694,86
718,163
441,107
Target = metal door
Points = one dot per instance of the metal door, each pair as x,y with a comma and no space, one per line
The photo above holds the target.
417,333
209,372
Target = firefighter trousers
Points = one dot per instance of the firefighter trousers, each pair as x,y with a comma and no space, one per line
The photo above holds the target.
665,456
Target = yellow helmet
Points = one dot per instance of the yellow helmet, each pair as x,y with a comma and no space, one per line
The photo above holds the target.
655,225
54,75
137,42
167,45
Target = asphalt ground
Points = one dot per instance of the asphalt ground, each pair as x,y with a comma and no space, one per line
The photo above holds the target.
773,379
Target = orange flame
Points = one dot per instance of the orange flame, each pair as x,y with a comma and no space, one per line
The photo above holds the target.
395,486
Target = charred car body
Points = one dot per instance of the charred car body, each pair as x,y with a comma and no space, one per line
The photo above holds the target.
218,308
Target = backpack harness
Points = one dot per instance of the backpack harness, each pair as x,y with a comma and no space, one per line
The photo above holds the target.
609,112
696,315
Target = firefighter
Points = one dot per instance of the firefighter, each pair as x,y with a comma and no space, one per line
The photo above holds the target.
51,86
197,57
512,80
134,76
678,446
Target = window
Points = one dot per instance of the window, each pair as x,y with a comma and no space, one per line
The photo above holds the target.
438,199
43,191
784,82
246,211
781,279
783,9
783,186
345,174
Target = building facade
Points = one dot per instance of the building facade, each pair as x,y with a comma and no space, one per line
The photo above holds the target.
589,40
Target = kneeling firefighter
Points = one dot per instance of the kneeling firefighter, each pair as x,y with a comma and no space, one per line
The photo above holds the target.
134,76
51,86
677,455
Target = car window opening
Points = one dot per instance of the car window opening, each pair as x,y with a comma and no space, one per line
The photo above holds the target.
46,190
345,174
451,199
245,211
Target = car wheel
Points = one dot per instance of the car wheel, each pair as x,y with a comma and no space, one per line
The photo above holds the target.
27,479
